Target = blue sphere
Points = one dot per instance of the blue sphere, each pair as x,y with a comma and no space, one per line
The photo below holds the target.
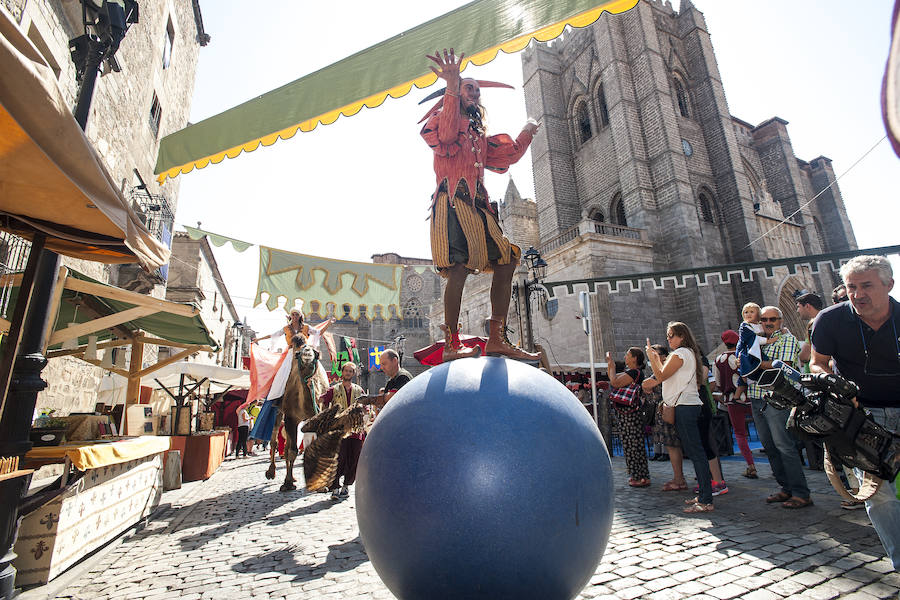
484,478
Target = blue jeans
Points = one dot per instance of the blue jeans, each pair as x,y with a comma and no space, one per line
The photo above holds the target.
687,422
781,448
883,507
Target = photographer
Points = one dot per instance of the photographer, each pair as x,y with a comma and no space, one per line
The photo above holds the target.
860,338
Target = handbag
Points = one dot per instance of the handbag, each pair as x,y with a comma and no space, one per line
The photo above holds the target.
668,414
628,396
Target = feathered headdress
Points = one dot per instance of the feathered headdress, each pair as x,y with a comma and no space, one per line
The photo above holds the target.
481,83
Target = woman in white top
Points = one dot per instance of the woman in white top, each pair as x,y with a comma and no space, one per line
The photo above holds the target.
679,376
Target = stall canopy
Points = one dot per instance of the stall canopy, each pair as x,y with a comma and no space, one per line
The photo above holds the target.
87,307
51,179
390,68
220,379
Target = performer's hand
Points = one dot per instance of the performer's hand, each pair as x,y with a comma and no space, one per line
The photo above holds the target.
448,67
531,127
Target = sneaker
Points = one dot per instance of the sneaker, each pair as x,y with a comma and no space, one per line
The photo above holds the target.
344,493
853,504
718,488
335,494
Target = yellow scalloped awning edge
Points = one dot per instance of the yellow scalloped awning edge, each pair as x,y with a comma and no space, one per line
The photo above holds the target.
517,44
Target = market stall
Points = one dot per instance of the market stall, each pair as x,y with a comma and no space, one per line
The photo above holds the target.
107,487
189,389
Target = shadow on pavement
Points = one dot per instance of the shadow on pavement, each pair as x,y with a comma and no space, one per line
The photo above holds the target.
341,557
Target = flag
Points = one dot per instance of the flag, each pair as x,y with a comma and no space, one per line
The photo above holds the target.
375,358
263,366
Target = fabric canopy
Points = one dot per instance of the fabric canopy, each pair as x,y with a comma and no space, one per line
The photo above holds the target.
328,280
166,325
112,387
479,29
51,179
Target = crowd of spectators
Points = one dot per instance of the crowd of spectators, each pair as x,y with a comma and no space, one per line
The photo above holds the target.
856,337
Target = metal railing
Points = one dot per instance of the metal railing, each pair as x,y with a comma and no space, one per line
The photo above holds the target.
154,210
14,252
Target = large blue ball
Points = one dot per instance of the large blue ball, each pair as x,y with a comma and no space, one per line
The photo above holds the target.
484,478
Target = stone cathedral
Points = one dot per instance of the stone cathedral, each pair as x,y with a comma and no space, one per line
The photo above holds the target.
640,167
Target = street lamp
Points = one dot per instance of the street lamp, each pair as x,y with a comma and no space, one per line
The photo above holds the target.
537,267
237,330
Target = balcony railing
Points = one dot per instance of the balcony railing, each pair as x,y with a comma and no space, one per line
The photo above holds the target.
589,226
154,210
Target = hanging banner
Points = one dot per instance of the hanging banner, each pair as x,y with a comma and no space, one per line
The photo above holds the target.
375,358
216,239
352,287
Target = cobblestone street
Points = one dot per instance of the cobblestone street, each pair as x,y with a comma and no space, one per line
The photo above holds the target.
237,536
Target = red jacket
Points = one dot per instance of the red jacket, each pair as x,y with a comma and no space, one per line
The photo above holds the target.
462,154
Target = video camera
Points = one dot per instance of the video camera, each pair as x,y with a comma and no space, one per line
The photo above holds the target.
821,407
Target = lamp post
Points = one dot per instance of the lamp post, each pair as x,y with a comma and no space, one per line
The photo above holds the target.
537,268
105,24
237,332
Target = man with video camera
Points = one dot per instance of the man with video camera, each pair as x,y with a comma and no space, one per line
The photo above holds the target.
859,341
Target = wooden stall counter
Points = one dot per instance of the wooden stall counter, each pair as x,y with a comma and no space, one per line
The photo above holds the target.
122,484
201,453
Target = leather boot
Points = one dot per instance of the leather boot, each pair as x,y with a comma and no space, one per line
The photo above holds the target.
497,344
453,348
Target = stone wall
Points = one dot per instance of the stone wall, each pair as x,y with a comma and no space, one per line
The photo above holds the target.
119,128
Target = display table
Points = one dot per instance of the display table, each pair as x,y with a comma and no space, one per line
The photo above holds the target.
201,453
122,484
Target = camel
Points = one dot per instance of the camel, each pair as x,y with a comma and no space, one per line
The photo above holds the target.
297,405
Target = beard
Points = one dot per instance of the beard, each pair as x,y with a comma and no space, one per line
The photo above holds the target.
474,112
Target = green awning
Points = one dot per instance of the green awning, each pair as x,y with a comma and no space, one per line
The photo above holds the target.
479,29
171,327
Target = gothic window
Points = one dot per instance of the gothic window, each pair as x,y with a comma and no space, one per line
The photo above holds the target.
706,208
602,111
583,123
617,211
412,315
168,42
597,216
681,96
820,233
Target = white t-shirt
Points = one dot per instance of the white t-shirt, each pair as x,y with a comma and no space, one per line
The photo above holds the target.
681,388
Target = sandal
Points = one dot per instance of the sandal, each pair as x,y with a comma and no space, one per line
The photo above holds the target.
639,483
779,497
795,502
699,508
750,473
673,486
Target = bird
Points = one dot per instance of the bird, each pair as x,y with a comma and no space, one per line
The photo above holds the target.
320,458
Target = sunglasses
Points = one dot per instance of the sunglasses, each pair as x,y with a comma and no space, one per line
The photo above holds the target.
669,336
769,319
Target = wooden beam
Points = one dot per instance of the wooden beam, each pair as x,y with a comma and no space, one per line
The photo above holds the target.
13,279
133,393
76,331
80,350
53,313
172,359
114,293
4,326
161,342
96,363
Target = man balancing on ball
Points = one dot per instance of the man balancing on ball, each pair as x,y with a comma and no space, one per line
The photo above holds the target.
465,233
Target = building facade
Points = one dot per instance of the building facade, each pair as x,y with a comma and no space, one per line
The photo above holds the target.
131,111
640,167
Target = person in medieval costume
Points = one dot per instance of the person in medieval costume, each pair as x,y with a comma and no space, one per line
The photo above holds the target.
465,232
265,422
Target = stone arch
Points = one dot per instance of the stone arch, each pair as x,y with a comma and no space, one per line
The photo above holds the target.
707,206
595,214
617,210
582,120
788,306
682,99
820,234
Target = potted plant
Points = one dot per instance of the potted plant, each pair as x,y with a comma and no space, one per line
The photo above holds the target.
49,430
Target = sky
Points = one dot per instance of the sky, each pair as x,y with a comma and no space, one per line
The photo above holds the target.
362,185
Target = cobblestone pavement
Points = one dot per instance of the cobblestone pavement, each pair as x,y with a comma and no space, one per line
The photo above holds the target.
237,536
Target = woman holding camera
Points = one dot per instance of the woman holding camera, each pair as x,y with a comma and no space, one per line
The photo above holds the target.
680,376
626,398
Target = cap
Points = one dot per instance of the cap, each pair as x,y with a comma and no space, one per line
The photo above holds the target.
730,336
